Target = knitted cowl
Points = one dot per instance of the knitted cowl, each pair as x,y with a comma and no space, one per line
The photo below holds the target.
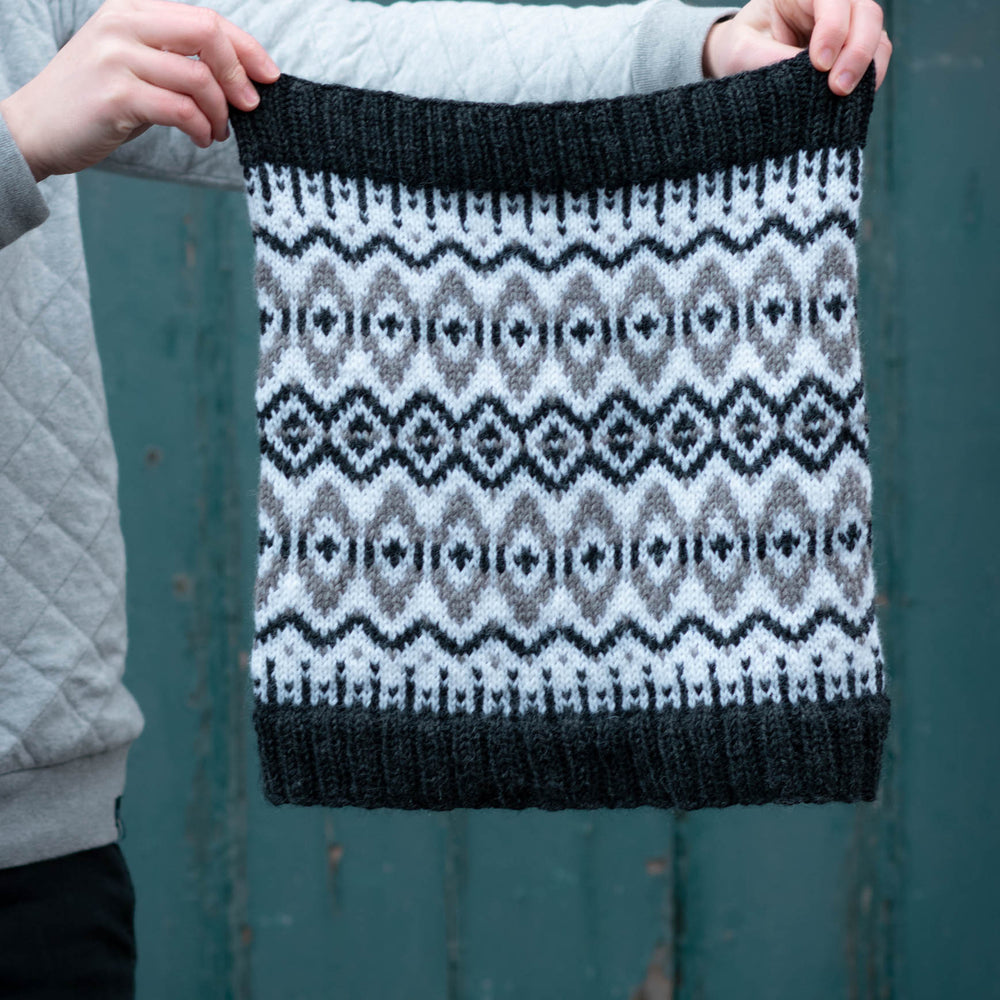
564,490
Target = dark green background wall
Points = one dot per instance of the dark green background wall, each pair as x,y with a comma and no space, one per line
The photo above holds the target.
895,899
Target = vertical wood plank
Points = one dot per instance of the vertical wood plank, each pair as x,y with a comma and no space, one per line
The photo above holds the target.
566,904
764,893
872,867
161,262
347,903
947,216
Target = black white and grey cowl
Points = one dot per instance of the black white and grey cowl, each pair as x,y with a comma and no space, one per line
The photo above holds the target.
564,492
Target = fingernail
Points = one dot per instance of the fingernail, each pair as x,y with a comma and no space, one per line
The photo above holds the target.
825,58
845,81
251,95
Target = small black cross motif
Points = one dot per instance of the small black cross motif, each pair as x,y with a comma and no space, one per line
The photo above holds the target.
489,443
426,441
359,434
774,310
324,319
327,548
555,445
684,433
453,330
850,537
747,428
787,542
520,332
645,326
836,306
581,330
658,549
722,546
593,557
394,551
390,324
460,554
709,318
294,432
526,560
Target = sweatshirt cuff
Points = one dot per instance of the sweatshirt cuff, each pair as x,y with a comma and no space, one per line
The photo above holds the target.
670,42
22,206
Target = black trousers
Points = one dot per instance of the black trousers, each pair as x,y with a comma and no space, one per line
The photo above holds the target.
67,928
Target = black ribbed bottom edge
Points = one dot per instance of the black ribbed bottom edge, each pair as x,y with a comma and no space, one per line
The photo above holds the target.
687,758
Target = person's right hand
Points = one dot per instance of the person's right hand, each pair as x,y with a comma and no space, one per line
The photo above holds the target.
843,36
126,69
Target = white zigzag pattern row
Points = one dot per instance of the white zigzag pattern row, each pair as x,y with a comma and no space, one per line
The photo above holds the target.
286,222
827,653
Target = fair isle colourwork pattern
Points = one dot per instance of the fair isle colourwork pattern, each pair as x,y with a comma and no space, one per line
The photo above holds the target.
564,491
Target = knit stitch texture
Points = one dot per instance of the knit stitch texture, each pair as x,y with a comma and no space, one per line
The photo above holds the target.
564,492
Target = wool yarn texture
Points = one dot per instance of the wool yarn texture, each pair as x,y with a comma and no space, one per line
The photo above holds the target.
565,499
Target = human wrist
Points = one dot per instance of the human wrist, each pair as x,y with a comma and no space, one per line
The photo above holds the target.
711,64
22,203
18,124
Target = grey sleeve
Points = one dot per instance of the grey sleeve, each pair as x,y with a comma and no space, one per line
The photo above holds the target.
22,206
669,44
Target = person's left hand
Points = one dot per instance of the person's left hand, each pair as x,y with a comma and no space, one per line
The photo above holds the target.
843,36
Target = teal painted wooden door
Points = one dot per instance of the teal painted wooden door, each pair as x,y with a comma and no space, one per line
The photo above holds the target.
896,899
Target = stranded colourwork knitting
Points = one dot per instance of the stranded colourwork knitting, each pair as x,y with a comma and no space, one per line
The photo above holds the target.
564,490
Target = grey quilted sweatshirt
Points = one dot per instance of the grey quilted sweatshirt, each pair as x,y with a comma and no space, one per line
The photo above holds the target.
66,718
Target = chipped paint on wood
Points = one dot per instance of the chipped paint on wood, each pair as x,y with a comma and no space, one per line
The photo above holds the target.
334,856
657,985
656,866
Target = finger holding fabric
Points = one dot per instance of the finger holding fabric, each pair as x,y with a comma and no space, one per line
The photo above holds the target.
127,68
843,37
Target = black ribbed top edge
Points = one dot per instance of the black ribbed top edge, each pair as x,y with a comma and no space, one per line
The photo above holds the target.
550,146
